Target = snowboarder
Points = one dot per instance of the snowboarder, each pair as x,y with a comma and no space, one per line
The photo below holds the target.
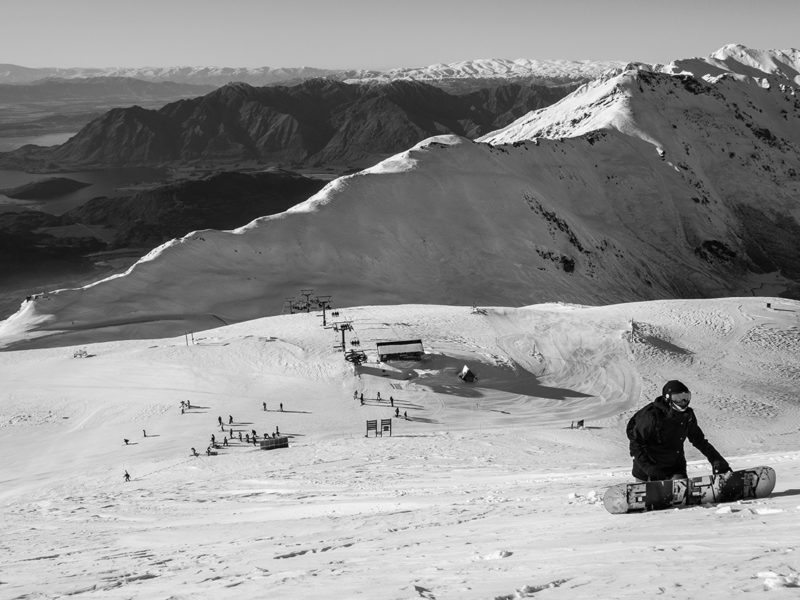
264,404
225,441
188,404
281,406
405,415
379,396
126,476
194,452
397,413
126,440
230,420
657,432
212,438
391,400
219,420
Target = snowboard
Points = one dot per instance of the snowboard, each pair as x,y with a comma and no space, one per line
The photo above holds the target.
756,482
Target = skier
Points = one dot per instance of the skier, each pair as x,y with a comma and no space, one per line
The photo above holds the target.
264,404
230,420
657,432
126,476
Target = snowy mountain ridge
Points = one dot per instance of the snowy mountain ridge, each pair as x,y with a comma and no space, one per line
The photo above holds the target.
498,68
738,59
639,185
552,70
731,58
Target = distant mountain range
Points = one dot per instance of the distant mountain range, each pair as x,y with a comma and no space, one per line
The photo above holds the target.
317,122
641,184
545,71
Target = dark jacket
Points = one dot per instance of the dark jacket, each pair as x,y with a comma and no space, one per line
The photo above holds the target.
656,433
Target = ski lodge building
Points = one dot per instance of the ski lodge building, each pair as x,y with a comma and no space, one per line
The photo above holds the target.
400,350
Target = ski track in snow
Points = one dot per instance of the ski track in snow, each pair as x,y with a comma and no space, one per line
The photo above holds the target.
485,492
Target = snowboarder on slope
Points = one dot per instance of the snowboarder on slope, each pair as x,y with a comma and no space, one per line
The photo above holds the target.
657,432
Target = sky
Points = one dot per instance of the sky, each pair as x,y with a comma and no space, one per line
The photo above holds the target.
377,34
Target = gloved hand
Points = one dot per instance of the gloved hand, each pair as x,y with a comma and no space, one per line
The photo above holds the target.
720,466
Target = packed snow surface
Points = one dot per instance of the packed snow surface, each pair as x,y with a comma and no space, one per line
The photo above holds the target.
484,491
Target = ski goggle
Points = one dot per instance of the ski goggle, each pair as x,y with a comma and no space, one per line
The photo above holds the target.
680,400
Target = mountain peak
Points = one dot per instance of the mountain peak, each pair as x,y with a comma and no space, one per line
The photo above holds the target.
778,66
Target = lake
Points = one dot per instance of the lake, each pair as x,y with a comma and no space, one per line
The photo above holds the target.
106,182
48,139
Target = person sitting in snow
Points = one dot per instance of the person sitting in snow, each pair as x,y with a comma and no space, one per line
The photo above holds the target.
657,432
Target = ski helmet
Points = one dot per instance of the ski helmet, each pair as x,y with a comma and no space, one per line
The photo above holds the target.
677,394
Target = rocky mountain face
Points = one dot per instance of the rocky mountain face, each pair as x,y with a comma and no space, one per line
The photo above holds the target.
319,122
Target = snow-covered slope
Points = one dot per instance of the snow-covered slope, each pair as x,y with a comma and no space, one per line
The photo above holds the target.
648,185
781,66
483,492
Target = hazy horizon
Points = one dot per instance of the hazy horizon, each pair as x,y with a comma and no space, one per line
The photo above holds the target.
381,35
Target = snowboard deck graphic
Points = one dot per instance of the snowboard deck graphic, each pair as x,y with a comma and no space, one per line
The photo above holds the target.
756,482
